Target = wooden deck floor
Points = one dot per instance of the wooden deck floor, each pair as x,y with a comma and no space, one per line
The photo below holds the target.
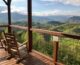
32,59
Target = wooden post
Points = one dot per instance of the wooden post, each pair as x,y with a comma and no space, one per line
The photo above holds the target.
56,43
9,17
30,24
8,3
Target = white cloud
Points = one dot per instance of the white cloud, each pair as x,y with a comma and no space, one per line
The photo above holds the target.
15,7
21,10
56,12
18,0
13,2
46,13
72,2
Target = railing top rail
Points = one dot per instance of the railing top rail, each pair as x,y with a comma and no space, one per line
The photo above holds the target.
37,30
71,36
3,25
54,33
19,27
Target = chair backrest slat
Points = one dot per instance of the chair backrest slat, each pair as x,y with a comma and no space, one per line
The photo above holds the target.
12,42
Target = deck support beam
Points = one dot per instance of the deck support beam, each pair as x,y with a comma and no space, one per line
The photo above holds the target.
30,24
9,18
8,3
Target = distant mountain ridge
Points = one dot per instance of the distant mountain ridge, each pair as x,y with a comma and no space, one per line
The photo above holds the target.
15,17
74,19
42,19
22,17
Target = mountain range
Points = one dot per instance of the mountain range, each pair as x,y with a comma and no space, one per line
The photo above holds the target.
42,19
22,17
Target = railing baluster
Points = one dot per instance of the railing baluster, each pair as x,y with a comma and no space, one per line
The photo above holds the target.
55,55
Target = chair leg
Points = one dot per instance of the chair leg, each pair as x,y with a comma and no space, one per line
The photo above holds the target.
11,55
1,45
19,60
8,58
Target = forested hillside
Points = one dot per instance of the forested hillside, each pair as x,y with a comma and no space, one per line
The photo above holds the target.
68,48
43,42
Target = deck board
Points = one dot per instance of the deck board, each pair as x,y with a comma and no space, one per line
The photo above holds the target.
32,59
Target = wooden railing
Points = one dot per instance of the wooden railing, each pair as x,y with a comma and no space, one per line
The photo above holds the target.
19,27
3,25
52,33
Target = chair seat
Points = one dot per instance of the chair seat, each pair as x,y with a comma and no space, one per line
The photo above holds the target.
23,51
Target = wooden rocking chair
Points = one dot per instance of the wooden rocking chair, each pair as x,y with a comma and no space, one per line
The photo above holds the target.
2,42
14,48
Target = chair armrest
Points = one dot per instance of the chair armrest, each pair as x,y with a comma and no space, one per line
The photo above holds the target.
20,45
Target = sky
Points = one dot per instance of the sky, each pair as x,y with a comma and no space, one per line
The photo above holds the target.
46,7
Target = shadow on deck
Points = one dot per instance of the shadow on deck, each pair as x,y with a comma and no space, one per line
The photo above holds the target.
32,59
